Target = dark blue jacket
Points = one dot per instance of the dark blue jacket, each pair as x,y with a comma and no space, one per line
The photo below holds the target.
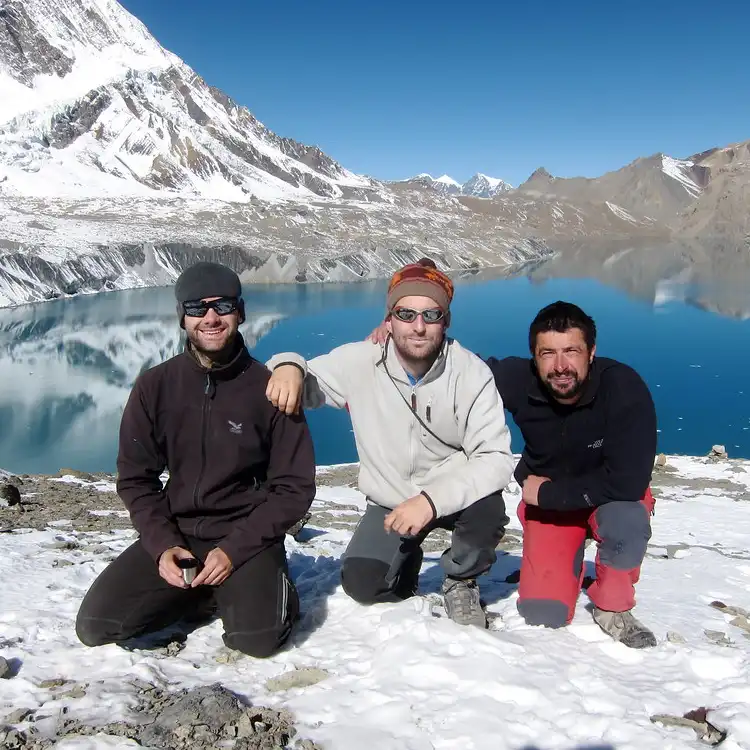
596,451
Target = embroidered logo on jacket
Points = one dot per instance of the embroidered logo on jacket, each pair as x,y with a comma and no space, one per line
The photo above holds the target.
597,443
235,427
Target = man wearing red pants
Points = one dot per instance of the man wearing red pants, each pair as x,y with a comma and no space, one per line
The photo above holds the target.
589,427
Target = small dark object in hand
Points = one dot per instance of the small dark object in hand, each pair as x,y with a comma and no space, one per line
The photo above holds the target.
189,568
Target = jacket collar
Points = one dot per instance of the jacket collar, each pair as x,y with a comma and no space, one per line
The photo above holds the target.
390,362
239,362
538,391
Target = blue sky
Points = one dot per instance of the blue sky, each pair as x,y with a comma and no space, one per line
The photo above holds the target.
502,87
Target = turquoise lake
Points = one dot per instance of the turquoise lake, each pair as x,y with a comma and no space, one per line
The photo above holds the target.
67,366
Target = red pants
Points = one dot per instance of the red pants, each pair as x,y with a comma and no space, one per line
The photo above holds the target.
553,548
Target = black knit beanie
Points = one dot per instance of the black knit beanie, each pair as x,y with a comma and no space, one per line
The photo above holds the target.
206,279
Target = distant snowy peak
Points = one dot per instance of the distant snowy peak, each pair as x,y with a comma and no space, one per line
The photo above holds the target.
92,105
482,186
478,186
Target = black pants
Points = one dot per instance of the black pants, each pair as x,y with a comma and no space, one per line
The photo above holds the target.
257,603
384,567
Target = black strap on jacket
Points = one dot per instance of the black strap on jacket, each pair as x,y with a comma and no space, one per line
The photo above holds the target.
408,405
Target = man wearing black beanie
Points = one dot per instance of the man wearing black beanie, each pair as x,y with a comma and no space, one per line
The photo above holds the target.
241,474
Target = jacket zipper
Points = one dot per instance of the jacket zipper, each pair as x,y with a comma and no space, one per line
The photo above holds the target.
204,429
412,451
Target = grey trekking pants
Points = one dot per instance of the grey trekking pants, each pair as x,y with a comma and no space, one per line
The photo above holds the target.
379,566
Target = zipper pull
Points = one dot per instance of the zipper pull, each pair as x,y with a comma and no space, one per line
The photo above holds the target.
428,411
209,389
413,400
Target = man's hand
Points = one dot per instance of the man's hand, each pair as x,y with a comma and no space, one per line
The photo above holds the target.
168,569
285,388
410,517
530,489
216,569
378,335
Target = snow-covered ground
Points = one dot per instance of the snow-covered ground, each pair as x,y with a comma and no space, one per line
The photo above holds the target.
403,677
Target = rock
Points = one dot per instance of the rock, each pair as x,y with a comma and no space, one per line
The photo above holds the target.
296,678
741,622
174,647
228,656
697,721
17,716
718,453
85,476
55,682
61,563
730,610
675,637
10,494
717,637
661,461
77,691
5,670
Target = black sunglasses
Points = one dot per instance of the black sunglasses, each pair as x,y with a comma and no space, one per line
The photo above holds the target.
222,306
407,315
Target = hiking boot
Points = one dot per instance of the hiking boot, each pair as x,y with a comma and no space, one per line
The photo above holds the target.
624,628
462,602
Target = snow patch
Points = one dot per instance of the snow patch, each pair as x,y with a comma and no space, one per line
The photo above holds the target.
677,169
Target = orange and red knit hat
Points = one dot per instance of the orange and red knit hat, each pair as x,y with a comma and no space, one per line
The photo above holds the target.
421,279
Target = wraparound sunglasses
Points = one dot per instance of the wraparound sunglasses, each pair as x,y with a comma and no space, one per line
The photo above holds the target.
222,306
407,315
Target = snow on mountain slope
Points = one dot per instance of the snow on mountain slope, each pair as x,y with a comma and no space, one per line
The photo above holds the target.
92,105
483,186
679,169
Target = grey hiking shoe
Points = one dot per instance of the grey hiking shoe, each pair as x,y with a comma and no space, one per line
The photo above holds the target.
462,602
623,627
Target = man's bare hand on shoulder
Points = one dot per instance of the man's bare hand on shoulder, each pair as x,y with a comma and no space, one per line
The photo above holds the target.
285,388
410,517
168,568
379,334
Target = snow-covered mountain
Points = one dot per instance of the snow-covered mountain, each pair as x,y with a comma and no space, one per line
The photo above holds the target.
120,165
478,186
92,105
482,186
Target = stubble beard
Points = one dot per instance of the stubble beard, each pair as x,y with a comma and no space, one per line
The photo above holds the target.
570,393
209,355
417,356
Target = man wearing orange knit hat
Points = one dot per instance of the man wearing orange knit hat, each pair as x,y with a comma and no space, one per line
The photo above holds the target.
433,445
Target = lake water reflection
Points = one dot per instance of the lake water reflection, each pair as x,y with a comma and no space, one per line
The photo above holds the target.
66,367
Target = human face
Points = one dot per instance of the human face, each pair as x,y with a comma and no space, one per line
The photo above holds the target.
563,361
212,333
417,343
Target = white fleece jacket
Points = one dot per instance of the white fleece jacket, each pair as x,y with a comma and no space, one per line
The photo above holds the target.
399,458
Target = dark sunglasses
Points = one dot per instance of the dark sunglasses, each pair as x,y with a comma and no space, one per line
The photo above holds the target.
407,315
222,306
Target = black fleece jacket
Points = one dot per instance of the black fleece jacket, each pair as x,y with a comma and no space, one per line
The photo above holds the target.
598,450
240,472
